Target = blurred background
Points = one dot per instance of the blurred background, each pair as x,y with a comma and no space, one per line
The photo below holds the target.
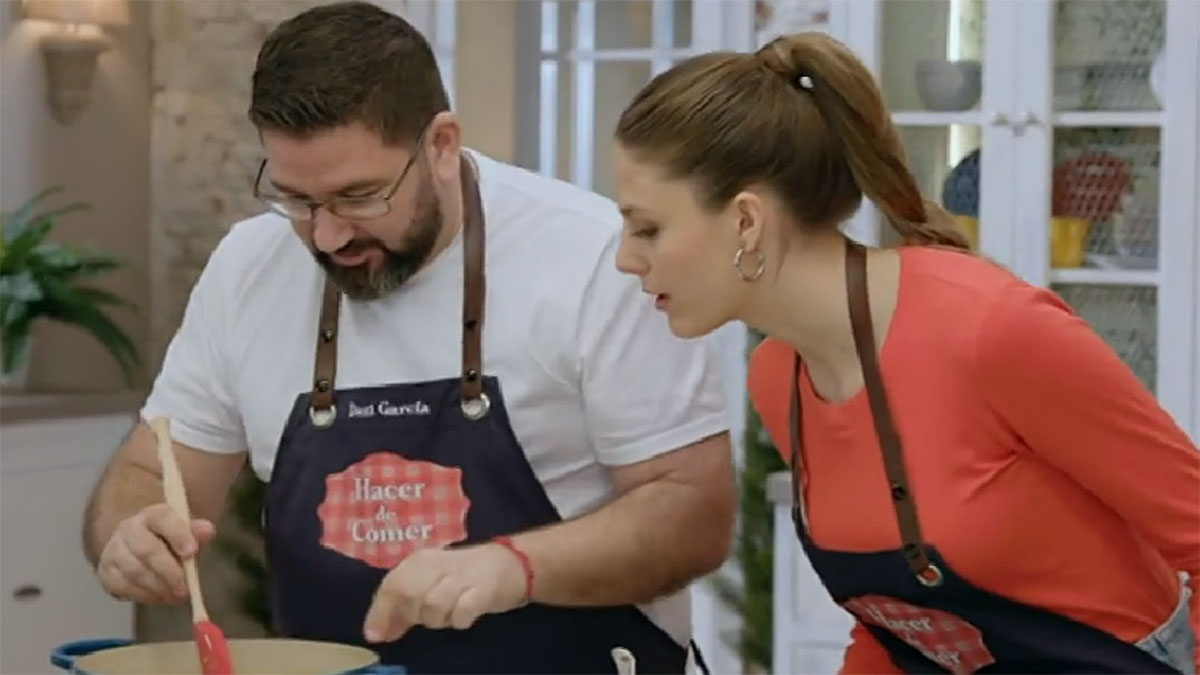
1064,134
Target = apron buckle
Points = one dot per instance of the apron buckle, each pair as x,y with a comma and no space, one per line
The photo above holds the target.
476,408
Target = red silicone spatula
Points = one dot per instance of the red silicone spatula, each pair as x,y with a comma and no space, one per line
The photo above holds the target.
215,658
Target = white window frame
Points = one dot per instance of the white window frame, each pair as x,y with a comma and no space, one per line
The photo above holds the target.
437,21
716,24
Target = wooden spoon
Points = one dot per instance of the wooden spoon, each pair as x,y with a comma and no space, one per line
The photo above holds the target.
215,658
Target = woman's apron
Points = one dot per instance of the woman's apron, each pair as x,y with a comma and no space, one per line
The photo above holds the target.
928,617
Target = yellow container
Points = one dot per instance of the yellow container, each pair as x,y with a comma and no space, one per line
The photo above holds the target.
970,225
1067,237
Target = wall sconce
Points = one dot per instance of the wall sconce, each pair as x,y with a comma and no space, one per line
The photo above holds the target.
72,49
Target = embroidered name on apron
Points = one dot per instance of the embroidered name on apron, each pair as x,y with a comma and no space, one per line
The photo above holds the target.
384,507
943,638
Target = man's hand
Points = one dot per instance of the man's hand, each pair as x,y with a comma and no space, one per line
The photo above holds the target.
445,588
129,497
141,561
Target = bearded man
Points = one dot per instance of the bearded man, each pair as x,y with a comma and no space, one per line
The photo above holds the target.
485,450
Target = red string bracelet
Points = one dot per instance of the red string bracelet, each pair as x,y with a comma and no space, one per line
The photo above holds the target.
526,563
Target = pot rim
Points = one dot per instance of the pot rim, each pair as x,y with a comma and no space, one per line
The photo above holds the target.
74,656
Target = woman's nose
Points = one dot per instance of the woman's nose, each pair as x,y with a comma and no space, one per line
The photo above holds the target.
629,261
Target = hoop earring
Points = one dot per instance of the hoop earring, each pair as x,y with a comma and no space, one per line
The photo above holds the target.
760,265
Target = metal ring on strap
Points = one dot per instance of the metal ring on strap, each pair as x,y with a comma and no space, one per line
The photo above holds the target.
322,418
476,408
931,576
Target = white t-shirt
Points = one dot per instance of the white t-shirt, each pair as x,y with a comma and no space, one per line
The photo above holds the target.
590,372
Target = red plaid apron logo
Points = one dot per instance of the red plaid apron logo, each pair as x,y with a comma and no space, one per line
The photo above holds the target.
385,507
942,637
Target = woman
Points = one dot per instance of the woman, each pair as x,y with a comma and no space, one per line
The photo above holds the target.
1016,500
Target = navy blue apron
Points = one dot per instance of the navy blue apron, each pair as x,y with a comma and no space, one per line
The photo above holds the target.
365,476
928,618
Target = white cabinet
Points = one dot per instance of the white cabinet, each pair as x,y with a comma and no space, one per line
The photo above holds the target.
50,596
1065,135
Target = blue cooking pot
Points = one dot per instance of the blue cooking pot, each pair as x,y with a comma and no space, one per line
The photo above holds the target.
267,656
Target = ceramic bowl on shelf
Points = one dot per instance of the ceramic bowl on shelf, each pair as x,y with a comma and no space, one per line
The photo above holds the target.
949,85
1158,77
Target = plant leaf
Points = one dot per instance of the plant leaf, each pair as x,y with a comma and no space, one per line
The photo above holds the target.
37,278
90,264
13,341
86,295
16,221
16,229
80,305
19,288
21,247
52,254
25,217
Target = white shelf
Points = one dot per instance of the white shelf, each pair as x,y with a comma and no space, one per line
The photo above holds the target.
933,118
1083,118
1109,118
1103,277
619,55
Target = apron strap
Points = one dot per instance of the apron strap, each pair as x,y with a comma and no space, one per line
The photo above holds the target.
475,403
322,410
799,515
912,542
889,440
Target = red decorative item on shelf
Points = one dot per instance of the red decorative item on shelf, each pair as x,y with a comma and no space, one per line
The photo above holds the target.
1090,186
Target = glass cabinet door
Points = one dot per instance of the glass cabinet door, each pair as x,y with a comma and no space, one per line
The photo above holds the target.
1102,232
933,67
1063,136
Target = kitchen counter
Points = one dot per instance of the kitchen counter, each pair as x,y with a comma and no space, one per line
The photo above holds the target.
51,461
17,407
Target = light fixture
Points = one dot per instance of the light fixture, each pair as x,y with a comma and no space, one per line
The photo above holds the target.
72,49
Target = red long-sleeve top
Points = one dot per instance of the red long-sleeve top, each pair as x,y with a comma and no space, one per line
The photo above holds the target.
1043,469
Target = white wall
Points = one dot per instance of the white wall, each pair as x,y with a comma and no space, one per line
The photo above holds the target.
101,158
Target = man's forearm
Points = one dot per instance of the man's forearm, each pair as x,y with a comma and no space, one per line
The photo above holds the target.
124,490
651,541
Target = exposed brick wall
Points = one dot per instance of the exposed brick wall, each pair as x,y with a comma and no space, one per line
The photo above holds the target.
203,156
203,149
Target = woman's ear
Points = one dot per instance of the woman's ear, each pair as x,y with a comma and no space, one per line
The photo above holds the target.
747,211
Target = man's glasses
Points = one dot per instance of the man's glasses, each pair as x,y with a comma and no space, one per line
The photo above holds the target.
352,208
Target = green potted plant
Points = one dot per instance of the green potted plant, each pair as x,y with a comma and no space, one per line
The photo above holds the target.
43,279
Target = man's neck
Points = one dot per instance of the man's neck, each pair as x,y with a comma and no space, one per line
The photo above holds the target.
453,209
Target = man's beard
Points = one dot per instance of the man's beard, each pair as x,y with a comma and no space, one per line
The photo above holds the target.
360,282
